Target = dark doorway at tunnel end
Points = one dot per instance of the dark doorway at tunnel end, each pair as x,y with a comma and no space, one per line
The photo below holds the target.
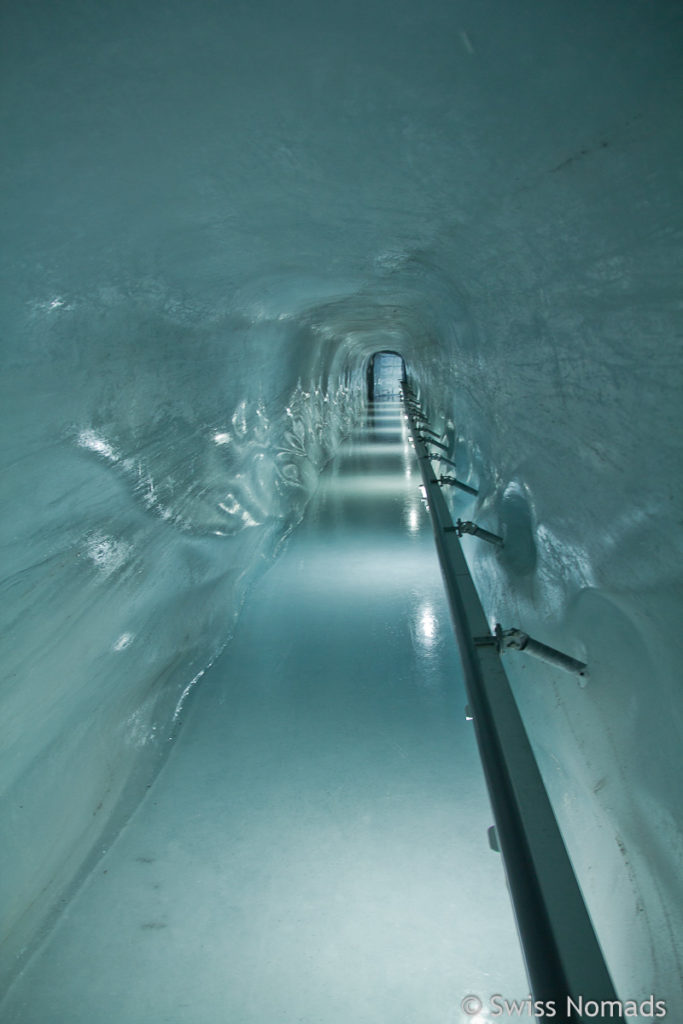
385,374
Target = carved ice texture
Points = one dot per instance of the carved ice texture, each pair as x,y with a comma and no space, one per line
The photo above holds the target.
213,214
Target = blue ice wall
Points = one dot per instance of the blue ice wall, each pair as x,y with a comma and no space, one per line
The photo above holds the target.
213,214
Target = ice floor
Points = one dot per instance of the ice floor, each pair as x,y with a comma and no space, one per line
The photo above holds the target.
315,847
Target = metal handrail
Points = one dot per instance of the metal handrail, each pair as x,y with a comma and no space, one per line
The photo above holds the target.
563,957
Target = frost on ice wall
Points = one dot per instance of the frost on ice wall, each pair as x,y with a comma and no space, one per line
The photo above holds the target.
213,214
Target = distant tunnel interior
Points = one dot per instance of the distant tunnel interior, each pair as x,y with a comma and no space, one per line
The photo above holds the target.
385,374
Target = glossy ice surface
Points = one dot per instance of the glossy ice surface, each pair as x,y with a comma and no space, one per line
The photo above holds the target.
315,847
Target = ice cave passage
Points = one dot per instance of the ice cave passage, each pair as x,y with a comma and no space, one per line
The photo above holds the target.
235,778
315,846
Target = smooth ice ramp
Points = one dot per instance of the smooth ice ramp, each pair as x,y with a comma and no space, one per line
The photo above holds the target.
315,847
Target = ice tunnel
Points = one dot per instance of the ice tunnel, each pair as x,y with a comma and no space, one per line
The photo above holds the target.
237,781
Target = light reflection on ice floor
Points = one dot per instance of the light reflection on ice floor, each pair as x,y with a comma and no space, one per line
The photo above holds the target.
315,847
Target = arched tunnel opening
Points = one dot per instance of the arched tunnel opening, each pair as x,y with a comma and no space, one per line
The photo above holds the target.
386,373
243,246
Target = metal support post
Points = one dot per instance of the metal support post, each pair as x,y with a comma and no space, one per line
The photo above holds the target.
465,526
429,440
452,482
516,640
442,458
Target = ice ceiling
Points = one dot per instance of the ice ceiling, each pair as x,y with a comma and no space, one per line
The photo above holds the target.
213,213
